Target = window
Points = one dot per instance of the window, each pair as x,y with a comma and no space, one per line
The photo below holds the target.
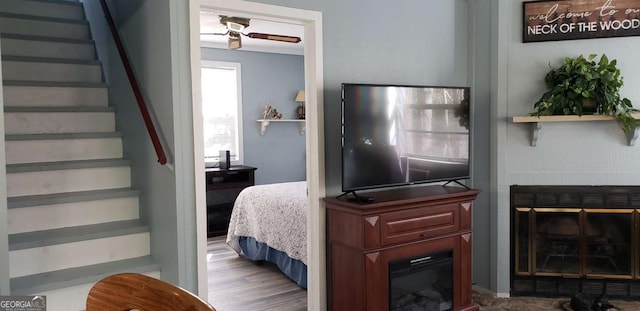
222,110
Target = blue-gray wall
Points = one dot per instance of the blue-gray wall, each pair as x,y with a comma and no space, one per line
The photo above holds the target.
279,155
408,42
459,42
430,42
480,65
155,34
570,153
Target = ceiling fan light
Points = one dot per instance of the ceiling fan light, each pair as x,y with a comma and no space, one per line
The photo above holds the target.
233,26
234,42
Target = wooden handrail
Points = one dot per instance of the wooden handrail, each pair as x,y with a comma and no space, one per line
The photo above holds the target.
162,158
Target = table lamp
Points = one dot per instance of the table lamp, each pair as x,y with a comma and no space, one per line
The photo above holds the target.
300,114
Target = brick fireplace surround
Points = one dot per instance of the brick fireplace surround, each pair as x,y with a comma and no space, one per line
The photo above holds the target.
571,239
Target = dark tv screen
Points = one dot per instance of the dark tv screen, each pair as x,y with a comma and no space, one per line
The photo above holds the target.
396,135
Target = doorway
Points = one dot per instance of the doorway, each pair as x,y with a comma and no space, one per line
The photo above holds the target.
312,22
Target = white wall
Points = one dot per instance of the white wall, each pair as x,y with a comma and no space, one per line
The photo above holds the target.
578,153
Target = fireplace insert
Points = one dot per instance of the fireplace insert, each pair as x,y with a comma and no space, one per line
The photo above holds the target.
422,283
575,239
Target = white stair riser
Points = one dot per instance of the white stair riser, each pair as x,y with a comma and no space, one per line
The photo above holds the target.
47,49
52,72
54,216
44,28
38,8
67,299
54,96
49,182
33,151
59,122
77,254
45,180
74,298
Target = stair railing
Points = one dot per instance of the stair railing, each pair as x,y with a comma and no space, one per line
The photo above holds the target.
162,158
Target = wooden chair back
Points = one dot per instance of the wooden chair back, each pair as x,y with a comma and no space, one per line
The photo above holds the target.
132,291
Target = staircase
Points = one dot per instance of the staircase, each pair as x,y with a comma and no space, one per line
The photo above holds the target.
73,216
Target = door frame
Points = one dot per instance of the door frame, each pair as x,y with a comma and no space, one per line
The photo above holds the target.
315,167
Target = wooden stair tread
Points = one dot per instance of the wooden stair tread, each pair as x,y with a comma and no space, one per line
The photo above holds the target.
33,239
70,197
47,281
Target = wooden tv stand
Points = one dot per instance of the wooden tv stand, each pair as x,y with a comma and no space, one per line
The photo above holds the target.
400,223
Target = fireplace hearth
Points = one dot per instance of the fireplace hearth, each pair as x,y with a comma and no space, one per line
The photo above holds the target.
575,239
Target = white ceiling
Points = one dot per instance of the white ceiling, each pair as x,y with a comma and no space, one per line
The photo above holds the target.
210,23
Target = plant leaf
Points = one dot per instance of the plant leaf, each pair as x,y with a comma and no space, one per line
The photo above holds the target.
581,84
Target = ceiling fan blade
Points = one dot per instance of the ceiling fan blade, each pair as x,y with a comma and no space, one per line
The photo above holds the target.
214,33
266,36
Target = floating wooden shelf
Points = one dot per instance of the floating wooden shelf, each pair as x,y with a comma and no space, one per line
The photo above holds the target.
536,124
265,122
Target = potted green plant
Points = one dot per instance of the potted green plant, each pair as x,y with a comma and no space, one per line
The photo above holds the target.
583,86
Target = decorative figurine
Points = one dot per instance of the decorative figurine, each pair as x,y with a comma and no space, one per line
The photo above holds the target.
270,112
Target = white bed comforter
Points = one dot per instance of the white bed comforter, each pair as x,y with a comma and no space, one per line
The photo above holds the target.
275,214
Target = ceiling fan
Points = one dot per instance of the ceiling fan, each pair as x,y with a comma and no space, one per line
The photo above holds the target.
235,30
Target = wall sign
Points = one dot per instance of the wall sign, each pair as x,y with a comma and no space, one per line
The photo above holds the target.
580,19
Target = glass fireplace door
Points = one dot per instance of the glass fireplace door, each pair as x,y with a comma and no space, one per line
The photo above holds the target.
595,243
556,241
570,239
607,235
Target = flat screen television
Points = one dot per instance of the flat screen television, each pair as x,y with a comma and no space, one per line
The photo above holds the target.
394,135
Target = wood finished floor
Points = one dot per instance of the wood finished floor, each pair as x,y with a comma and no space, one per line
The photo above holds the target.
237,284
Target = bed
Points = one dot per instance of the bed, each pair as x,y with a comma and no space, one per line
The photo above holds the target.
269,222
